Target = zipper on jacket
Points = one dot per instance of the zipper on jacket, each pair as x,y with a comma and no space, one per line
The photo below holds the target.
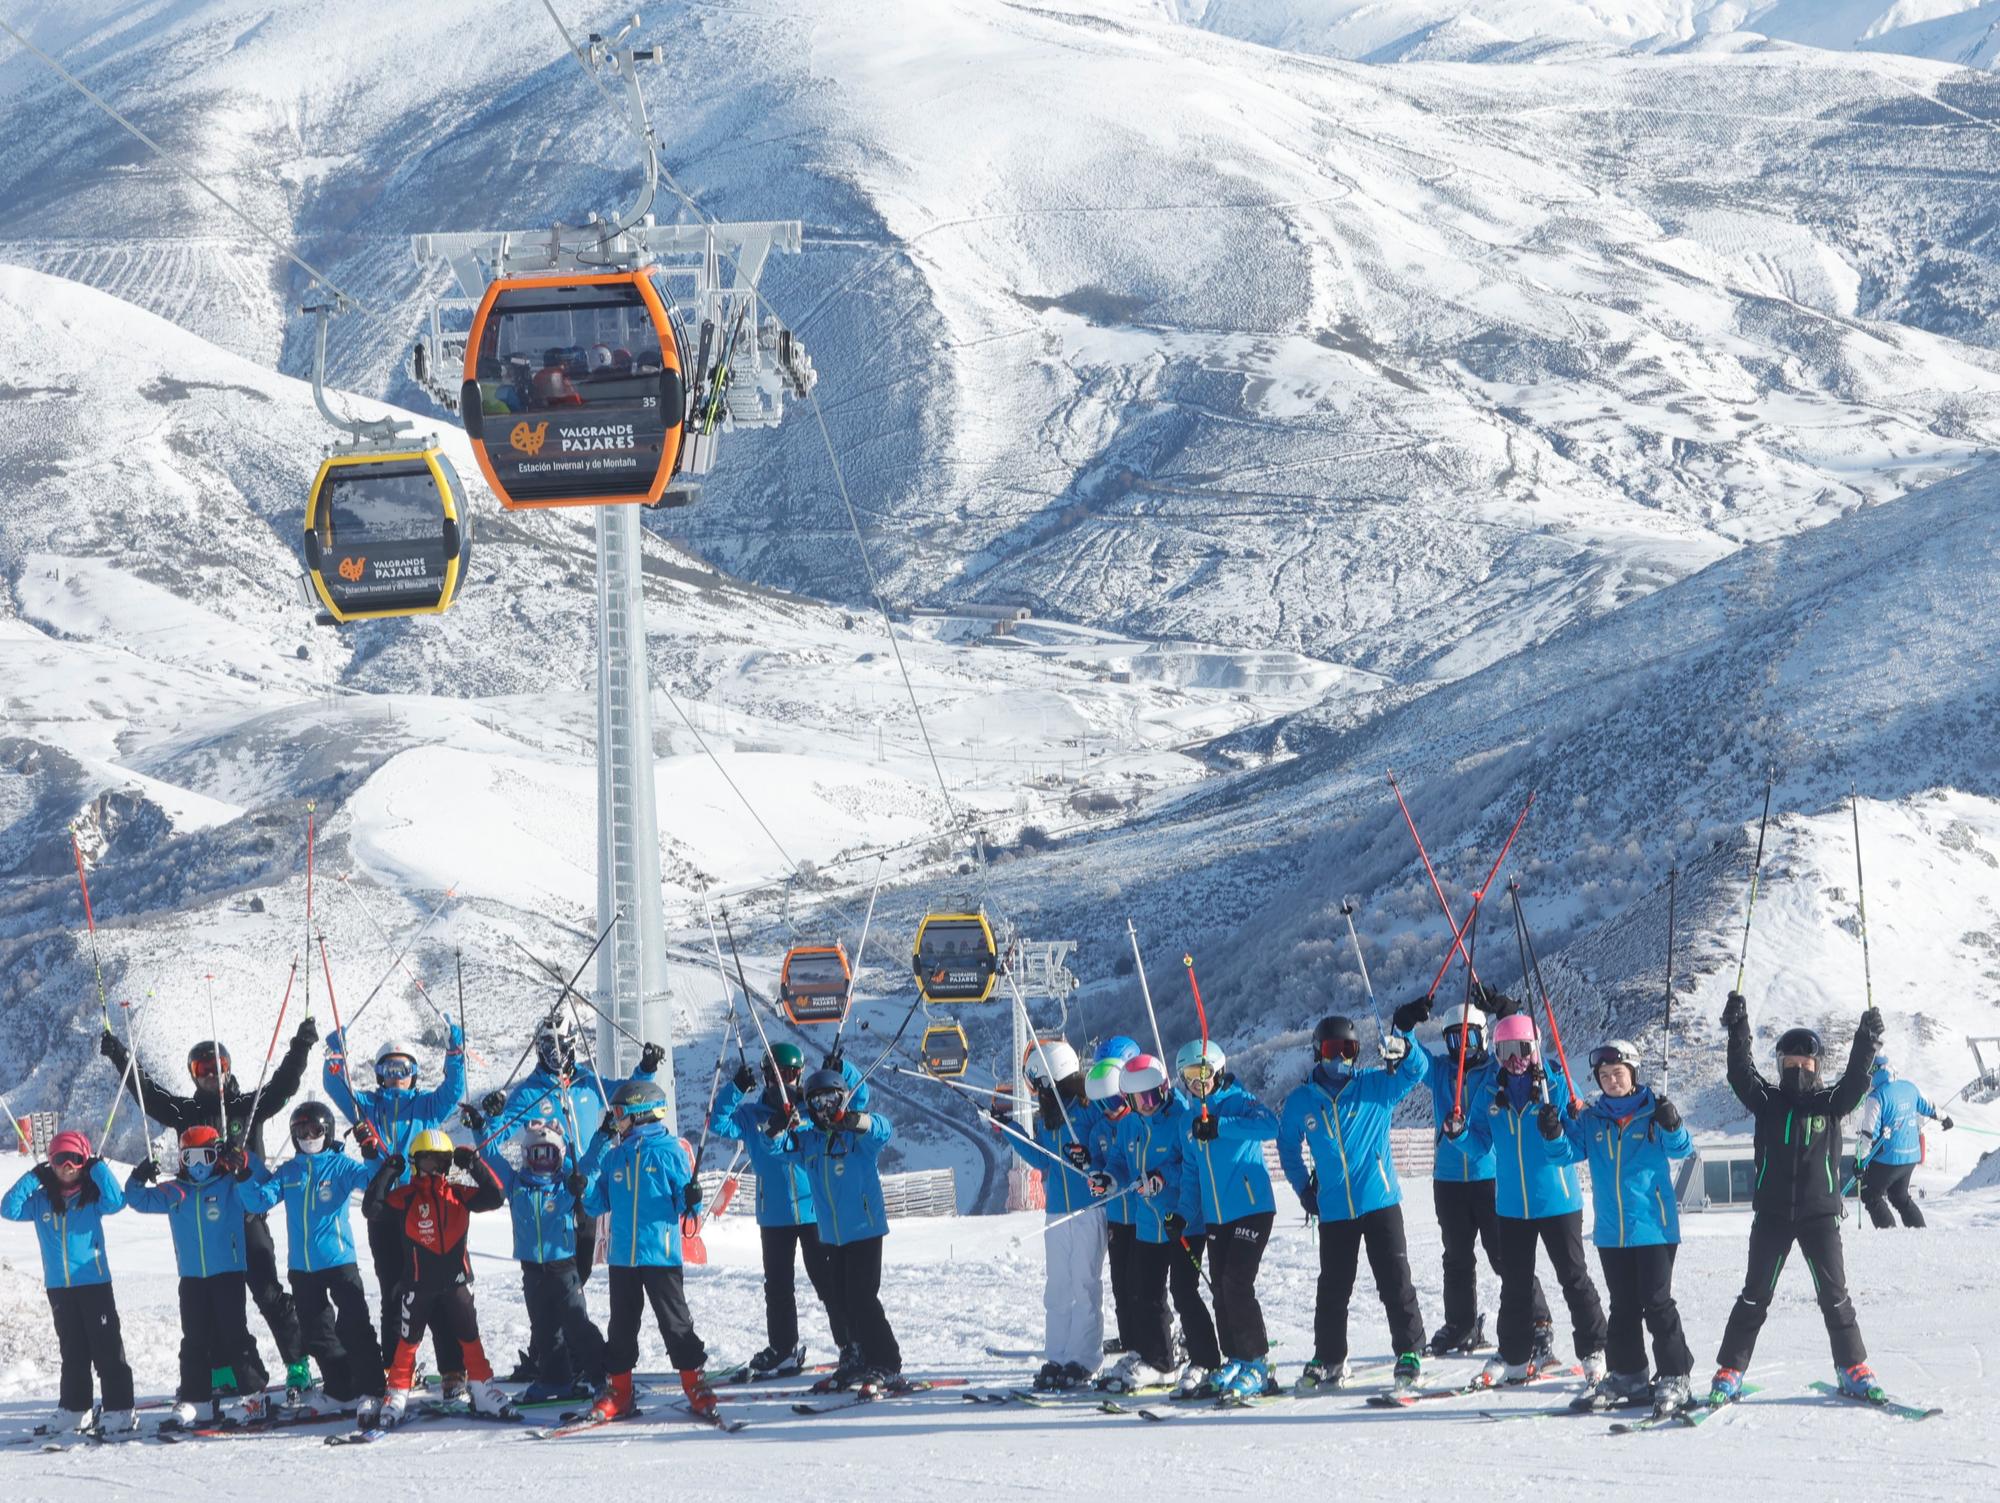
1618,1178
1214,1190
826,1182
1340,1143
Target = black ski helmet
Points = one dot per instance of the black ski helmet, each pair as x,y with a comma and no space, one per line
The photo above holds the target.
311,1119
1336,1037
1804,1042
641,1101
825,1095
208,1052
1798,1081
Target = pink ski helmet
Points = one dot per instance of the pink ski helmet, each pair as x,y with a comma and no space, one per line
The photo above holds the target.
1514,1043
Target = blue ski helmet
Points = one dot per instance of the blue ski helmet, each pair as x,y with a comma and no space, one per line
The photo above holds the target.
1117,1047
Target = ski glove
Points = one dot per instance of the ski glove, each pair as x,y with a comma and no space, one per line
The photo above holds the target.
745,1079
1666,1114
108,1046
1174,1224
1077,1154
835,1060
691,1197
308,1033
1410,1014
1735,1010
48,1181
576,1184
856,1122
609,1126
145,1172
1205,1126
493,1103
471,1116
233,1162
1155,1183
463,1156
1454,1125
367,1139
1309,1196
1944,1124
1100,1182
650,1056
1872,1025
1493,1002
1551,1122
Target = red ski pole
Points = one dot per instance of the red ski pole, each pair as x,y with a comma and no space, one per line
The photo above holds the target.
1478,896
1201,1013
90,919
1458,1088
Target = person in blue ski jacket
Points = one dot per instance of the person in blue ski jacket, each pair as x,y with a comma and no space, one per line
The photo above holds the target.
1630,1138
205,1204
1462,1180
1149,1152
387,1120
839,1149
67,1199
315,1186
1341,1113
1106,1105
565,1348
787,1225
637,1172
1892,1117
1538,1193
1226,1185
1073,1234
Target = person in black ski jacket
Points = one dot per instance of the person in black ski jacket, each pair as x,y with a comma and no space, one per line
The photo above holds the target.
216,1088
1797,1200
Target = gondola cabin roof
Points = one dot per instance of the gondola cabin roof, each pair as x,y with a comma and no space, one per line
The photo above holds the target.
815,983
945,1051
574,391
387,534
955,958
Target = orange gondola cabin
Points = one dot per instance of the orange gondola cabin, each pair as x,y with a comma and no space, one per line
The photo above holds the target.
815,983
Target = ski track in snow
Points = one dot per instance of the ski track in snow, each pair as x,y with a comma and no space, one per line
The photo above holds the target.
954,1287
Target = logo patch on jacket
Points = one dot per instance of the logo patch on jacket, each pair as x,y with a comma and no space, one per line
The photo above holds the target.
212,1208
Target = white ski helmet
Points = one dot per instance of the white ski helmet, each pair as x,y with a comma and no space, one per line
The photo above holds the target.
544,1141
393,1049
1102,1083
1141,1072
1052,1060
1615,1052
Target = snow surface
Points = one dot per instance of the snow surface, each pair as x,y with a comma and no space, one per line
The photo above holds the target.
954,1287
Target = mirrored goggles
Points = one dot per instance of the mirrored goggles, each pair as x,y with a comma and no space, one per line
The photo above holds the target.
1201,1072
1508,1049
201,1157
1603,1056
1473,1038
202,1069
543,1158
1347,1049
397,1067
1150,1100
66,1160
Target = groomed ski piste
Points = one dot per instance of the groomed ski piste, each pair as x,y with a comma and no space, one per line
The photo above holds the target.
956,1288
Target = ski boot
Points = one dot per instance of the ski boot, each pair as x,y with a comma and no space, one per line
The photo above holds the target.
183,1416
1197,1383
524,1368
451,1386
395,1404
1499,1372
1858,1382
1048,1377
1073,1375
543,1392
222,1382
1671,1395
490,1399
1323,1372
1542,1354
1133,1373
851,1367
879,1382
118,1424
1118,1378
367,1408
1251,1380
616,1400
1726,1387
1456,1341
1593,1368
1113,1347
1614,1391
298,1383
700,1397
771,1363
1409,1371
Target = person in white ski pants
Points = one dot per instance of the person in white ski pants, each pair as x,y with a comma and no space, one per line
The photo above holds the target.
1073,1289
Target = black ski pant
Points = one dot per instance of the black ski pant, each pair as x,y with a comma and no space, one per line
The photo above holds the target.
1340,1244
563,1343
448,1312
1640,1281
1885,1185
88,1336
857,1275
1235,1251
632,1289
274,1302
1144,1325
1562,1236
390,1257
1121,1241
333,1319
1467,1221
1771,1241
586,1244
215,1332
1184,1280
781,1299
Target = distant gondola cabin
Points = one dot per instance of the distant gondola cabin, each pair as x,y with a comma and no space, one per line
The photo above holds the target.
945,1051
955,958
574,393
387,534
814,985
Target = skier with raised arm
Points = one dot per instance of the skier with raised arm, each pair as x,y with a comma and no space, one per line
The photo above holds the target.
1890,1123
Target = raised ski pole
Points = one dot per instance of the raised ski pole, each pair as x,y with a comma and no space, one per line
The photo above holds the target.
309,907
458,970
399,961
1097,1203
573,995
1756,872
15,1122
1478,893
1548,1008
1667,1044
1861,895
1374,1011
1464,1032
422,928
1048,1070
556,1007
751,1008
90,919
1201,1012
854,971
981,1092
723,976
133,1077
272,1047
1146,991
1424,854
215,1058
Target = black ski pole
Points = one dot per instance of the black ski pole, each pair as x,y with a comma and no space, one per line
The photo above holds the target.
1667,1043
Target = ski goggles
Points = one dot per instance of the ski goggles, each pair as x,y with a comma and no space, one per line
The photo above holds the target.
1601,1056
203,1069
1474,1038
1199,1076
823,1106
66,1160
1347,1049
1522,1049
200,1158
543,1158
397,1067
1148,1101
